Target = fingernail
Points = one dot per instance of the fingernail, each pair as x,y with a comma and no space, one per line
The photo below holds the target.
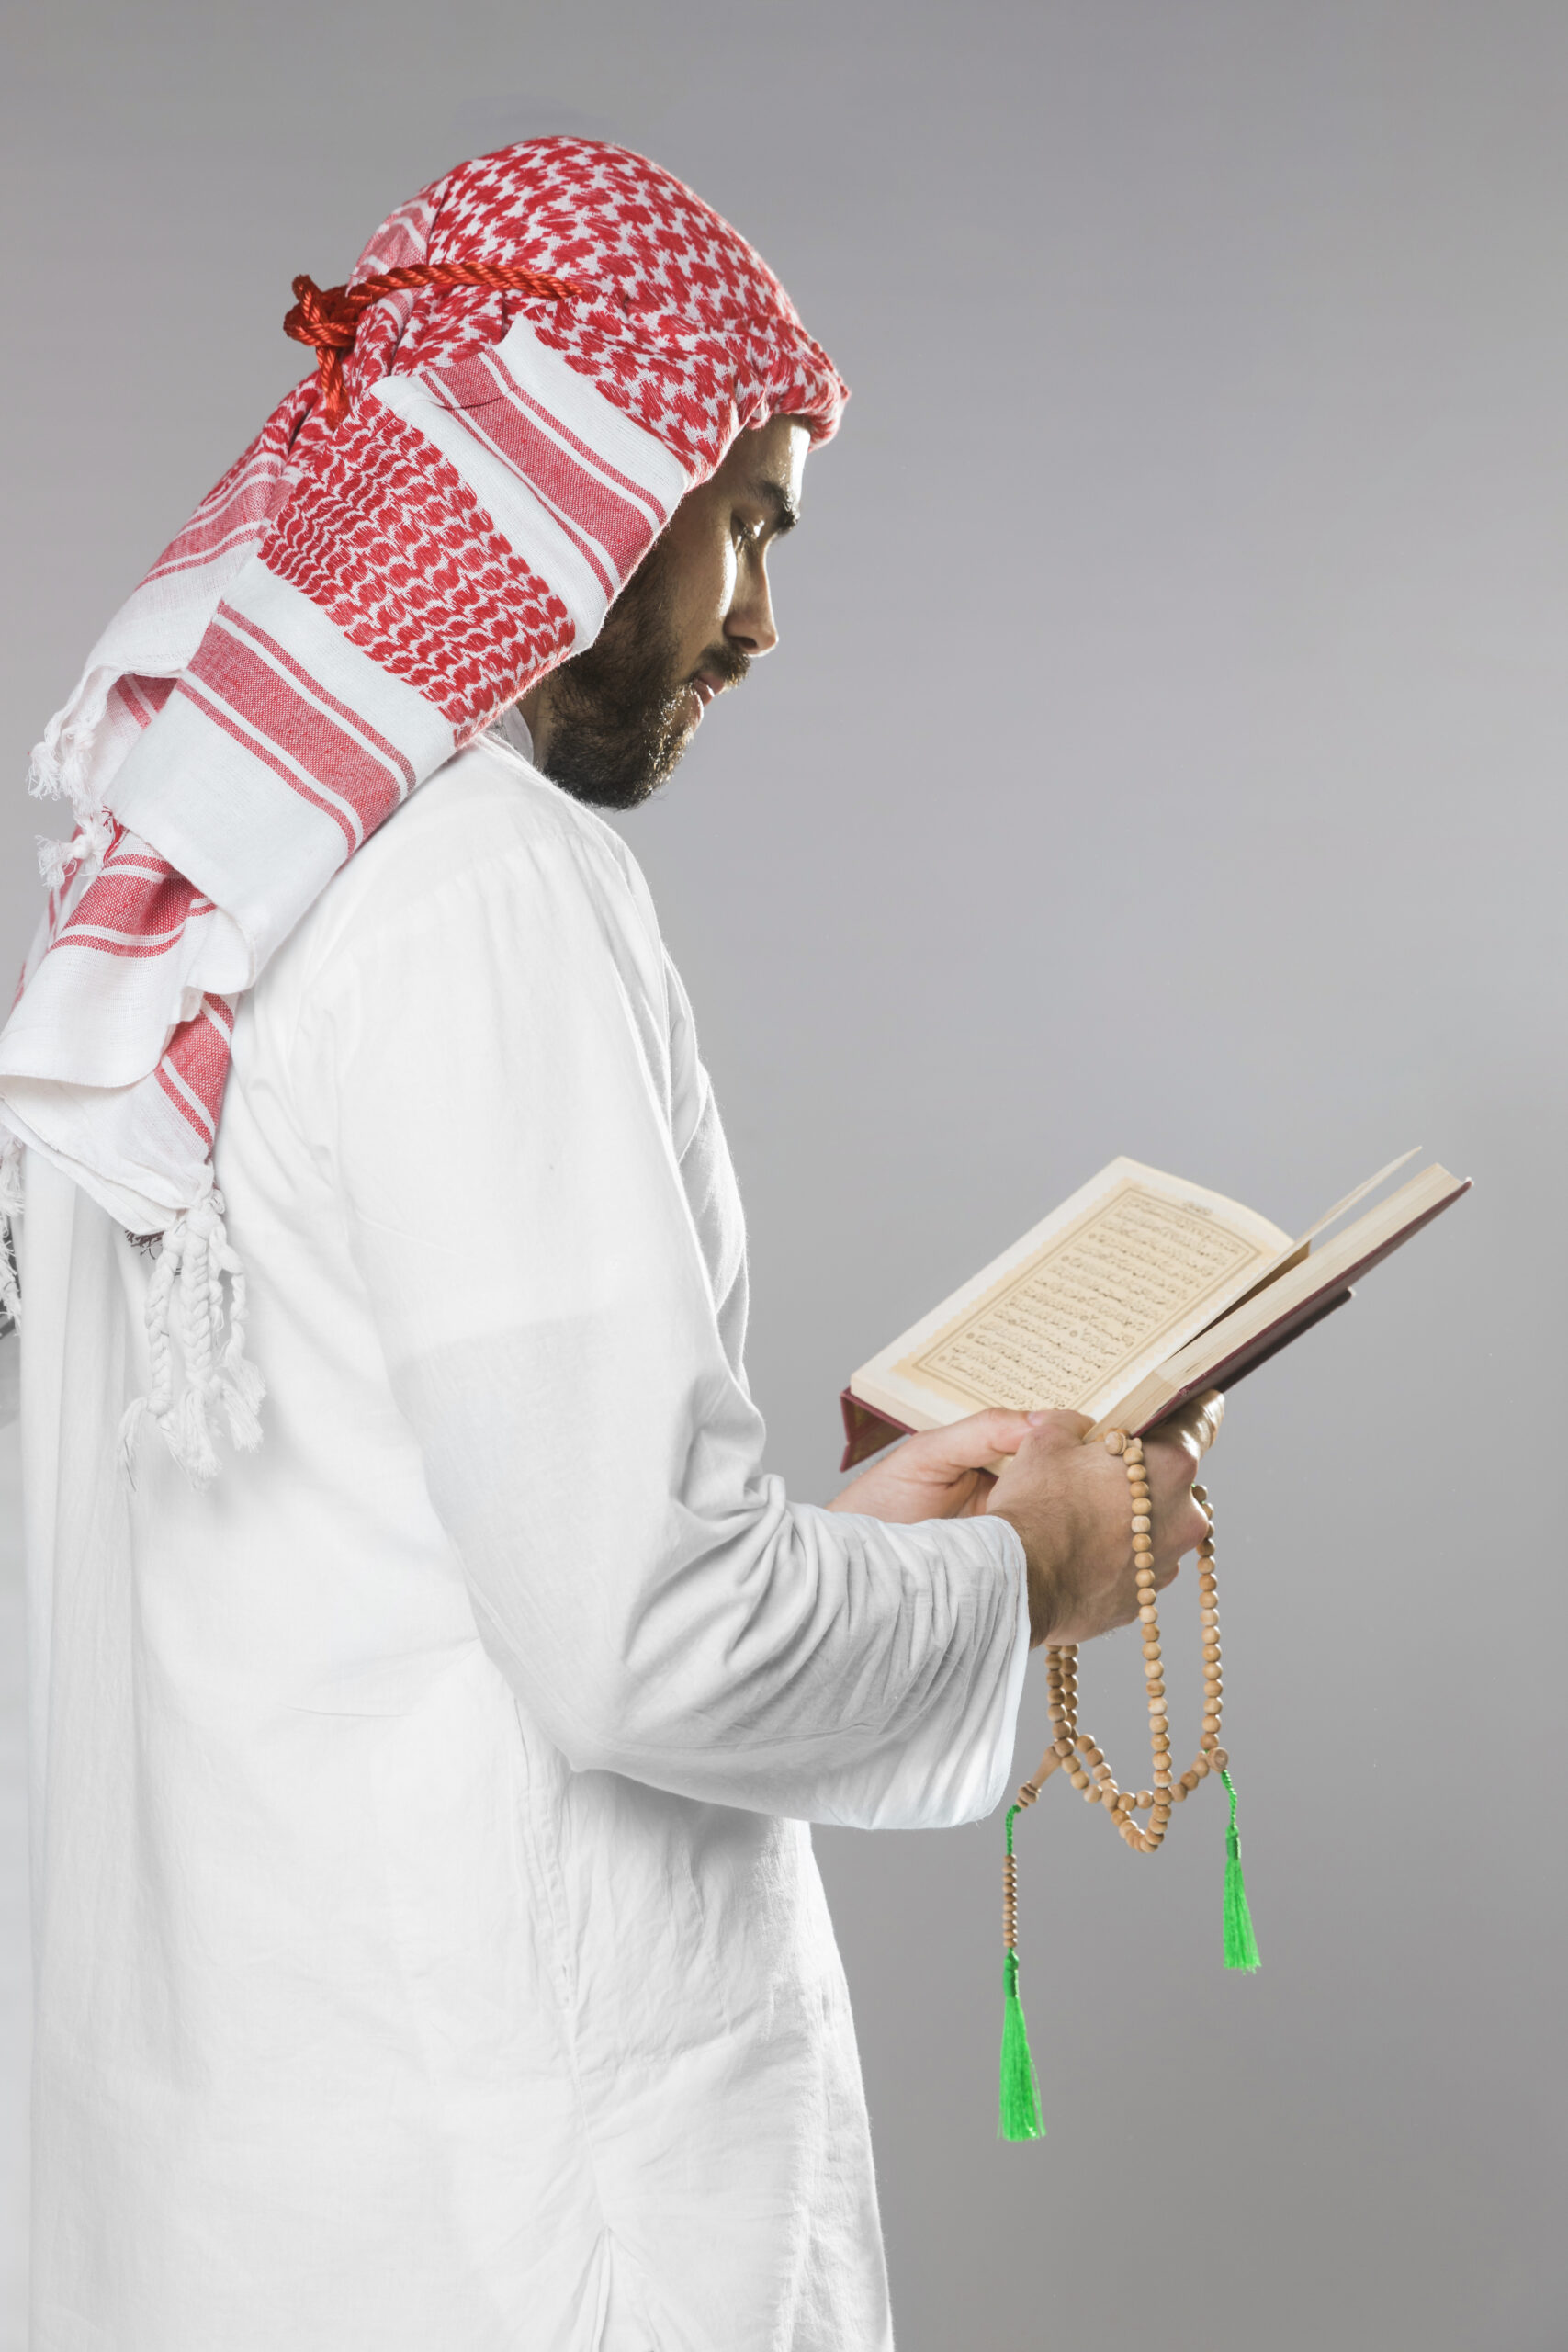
1036,1420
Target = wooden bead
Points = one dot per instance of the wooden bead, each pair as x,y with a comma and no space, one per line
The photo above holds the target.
1219,1760
1076,1753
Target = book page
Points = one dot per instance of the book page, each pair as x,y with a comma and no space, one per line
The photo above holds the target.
1088,1310
1257,1326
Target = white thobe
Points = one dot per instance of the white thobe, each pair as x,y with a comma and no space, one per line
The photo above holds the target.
431,1956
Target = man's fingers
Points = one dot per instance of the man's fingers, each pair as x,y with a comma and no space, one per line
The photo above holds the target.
1195,1427
981,1441
1059,1427
971,1443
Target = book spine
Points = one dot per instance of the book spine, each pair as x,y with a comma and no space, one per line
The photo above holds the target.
867,1431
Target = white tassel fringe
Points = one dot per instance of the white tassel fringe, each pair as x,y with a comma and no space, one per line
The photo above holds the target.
86,849
187,1290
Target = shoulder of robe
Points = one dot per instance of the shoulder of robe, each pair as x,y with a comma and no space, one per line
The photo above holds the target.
485,817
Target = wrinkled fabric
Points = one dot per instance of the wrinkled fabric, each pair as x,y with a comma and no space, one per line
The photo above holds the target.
351,605
429,1947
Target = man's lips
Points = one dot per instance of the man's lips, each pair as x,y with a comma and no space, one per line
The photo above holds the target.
703,690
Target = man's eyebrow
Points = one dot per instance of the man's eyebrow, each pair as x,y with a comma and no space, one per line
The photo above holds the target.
776,498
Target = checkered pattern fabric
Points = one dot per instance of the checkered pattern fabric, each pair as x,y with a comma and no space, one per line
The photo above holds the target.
347,607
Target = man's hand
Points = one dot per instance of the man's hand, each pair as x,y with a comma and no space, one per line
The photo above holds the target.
940,1473
1069,1502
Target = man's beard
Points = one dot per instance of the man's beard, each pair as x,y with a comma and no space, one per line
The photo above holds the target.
620,714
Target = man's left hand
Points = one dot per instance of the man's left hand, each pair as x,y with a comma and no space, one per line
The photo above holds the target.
938,1474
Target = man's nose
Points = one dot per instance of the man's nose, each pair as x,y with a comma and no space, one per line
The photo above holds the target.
751,623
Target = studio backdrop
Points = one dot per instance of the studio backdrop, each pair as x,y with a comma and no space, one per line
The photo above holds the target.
1163,756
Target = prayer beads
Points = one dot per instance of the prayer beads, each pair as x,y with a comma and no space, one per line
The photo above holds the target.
1075,1751
1083,1760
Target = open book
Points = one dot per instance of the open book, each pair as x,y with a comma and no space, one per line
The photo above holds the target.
1137,1293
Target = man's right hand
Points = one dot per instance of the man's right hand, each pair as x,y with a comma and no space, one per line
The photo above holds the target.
1069,1502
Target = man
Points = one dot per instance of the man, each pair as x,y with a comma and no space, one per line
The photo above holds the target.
429,1947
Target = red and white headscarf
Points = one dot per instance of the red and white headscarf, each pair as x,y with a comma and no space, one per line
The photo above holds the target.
418,534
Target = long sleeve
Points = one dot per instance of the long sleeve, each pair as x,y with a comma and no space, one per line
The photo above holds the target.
484,1063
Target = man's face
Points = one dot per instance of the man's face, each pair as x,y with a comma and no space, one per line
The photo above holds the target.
612,725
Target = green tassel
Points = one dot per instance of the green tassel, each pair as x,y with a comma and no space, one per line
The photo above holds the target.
1018,2104
1018,2109
1241,1944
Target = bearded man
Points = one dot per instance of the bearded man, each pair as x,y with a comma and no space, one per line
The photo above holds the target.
429,1947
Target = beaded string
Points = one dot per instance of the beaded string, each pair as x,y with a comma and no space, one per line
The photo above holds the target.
1082,1759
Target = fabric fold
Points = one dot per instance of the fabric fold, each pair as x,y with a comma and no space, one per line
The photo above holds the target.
348,607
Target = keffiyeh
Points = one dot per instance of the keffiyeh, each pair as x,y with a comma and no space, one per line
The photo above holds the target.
346,608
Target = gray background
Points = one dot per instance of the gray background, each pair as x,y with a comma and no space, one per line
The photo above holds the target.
1164,756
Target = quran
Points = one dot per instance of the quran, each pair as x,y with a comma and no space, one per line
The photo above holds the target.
1135,1296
